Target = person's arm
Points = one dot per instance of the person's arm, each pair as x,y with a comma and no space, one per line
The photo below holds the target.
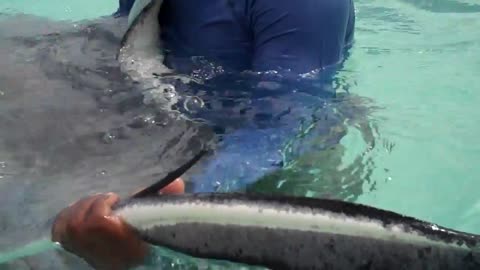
88,229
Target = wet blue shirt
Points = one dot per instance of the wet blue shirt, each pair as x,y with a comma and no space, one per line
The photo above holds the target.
258,34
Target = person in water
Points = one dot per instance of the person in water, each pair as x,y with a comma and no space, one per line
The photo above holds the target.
258,35
254,35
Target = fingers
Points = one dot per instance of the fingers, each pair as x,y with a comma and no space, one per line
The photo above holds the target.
78,213
73,214
88,229
176,187
102,206
58,228
111,199
95,210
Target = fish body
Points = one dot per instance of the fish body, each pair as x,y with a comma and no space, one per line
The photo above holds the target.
297,233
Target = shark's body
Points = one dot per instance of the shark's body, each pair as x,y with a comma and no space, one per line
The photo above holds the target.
298,233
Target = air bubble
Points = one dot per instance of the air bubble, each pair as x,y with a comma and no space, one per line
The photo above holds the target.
193,104
108,138
108,91
3,165
102,173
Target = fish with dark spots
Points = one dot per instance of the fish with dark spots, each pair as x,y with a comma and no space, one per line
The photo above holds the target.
298,233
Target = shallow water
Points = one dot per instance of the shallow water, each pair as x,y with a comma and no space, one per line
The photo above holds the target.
417,60
422,67
65,10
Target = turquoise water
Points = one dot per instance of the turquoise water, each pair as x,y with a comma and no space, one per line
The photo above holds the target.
421,68
60,10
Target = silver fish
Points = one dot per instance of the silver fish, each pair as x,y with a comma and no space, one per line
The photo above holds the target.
297,233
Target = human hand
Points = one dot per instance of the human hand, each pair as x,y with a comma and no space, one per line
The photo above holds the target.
89,229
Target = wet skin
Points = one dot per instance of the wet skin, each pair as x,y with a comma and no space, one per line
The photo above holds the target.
88,229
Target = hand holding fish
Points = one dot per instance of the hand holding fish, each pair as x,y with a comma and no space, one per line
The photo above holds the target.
89,229
277,232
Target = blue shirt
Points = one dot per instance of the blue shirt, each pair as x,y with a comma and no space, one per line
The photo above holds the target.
258,35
